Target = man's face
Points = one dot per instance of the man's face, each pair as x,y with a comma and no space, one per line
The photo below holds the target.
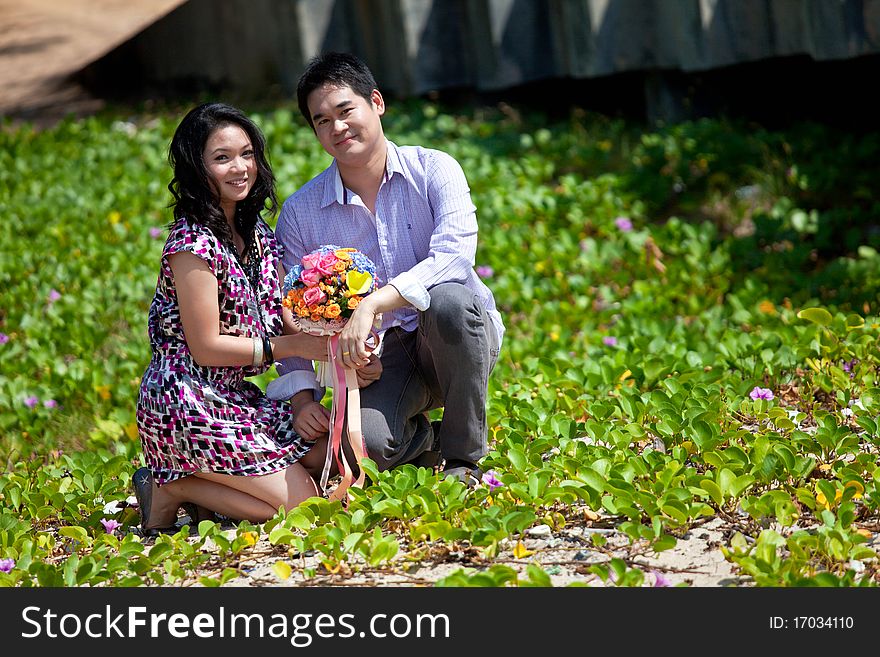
348,126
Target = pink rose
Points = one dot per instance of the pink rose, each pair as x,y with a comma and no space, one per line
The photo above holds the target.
310,277
313,296
309,261
325,263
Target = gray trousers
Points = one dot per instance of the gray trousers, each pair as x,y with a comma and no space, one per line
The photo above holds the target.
445,363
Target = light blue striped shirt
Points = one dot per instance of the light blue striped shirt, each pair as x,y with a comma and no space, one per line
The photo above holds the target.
424,233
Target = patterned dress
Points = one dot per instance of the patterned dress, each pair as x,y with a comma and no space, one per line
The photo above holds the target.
210,419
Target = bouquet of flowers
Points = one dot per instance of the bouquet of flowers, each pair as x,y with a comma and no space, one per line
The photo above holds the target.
323,291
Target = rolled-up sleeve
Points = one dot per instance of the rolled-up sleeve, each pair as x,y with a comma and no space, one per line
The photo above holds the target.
412,290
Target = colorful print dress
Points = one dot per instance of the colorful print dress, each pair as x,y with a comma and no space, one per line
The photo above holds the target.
210,419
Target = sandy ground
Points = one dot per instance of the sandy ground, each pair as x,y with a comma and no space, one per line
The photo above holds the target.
566,554
44,42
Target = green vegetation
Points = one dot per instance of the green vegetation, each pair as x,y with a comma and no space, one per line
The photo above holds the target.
650,280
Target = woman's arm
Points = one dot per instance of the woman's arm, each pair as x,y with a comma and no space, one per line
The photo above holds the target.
196,289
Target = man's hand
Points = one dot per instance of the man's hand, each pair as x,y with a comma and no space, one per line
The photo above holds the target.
353,352
311,420
369,372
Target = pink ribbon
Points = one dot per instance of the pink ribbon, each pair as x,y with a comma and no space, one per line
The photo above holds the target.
346,401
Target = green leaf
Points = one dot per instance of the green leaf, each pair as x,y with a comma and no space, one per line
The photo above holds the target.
817,315
725,479
703,432
591,478
675,511
281,536
740,484
854,322
665,542
537,576
75,532
713,490
517,459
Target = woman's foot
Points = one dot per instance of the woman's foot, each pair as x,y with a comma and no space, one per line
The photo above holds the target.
198,513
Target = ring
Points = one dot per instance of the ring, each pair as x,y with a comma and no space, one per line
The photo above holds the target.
346,353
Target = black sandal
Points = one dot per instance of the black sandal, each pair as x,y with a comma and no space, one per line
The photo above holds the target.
143,492
467,473
198,513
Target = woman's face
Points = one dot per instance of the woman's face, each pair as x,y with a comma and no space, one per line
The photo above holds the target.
231,164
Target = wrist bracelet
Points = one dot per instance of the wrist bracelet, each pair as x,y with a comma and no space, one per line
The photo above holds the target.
258,352
267,350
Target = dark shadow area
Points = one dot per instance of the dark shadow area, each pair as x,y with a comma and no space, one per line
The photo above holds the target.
774,92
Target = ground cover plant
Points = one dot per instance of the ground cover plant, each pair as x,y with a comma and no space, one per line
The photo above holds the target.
692,317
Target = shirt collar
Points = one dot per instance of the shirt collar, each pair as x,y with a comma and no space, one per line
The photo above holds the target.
335,191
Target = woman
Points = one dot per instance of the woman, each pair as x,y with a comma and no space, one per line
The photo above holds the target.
210,437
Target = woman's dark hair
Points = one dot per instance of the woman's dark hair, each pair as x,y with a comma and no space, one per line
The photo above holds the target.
195,195
336,68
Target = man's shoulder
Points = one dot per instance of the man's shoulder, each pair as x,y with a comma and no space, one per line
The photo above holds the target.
309,194
420,153
421,161
315,186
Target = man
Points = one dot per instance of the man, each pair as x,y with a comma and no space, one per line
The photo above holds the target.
409,210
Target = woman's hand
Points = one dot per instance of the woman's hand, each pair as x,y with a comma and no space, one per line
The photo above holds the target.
369,372
311,420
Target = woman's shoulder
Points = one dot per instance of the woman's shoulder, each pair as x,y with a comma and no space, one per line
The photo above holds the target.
187,235
267,235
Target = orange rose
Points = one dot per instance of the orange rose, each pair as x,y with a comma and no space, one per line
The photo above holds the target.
339,266
353,302
332,311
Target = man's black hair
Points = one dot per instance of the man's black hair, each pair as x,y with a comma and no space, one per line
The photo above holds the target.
339,69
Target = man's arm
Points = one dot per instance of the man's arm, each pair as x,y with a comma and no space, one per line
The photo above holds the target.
453,244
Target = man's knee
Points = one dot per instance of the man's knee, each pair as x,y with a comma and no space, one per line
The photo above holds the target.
450,298
379,439
452,312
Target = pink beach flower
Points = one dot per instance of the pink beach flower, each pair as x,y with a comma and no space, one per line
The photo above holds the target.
490,478
660,580
761,393
110,525
624,224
